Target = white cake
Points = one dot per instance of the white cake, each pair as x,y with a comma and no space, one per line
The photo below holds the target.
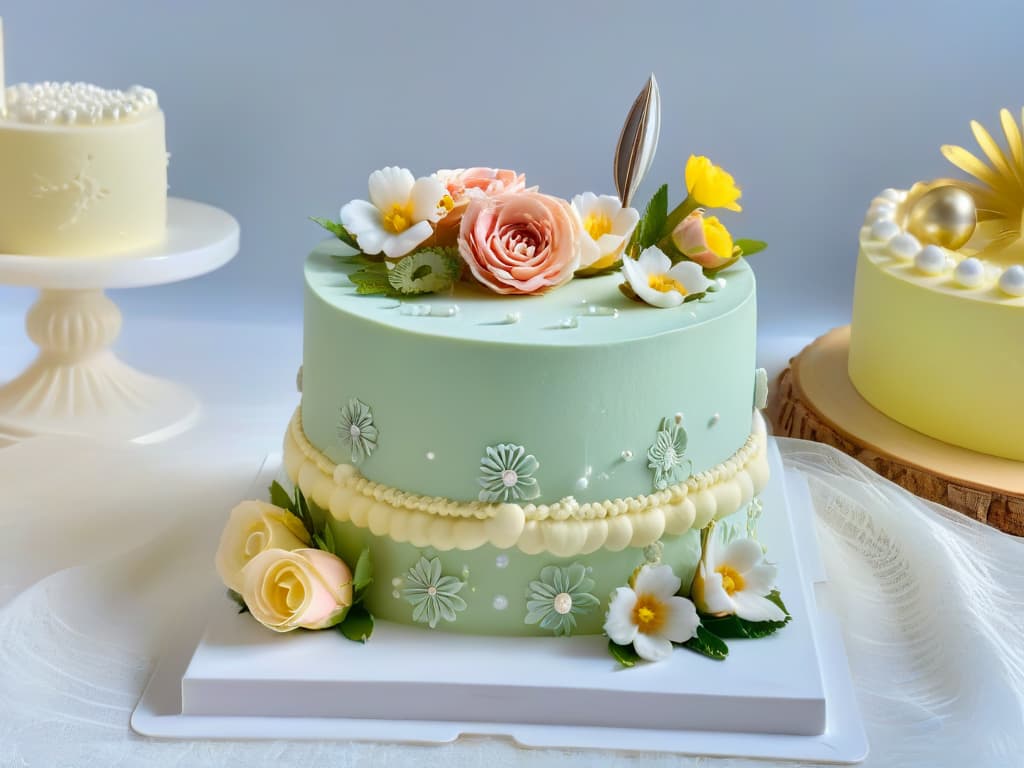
84,170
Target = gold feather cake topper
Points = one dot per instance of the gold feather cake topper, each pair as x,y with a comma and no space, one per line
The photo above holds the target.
998,189
638,142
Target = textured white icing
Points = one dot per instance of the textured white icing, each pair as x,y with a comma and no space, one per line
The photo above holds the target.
76,103
565,529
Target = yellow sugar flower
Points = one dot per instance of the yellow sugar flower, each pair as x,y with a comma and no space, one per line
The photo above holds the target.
710,186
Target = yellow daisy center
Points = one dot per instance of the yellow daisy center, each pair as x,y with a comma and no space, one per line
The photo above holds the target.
649,614
398,217
597,224
732,580
664,284
446,203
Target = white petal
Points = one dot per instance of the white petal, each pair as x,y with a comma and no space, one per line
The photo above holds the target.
691,276
608,243
657,580
716,599
654,262
390,186
742,554
618,624
753,608
608,205
584,203
589,250
426,194
682,620
625,221
760,580
662,299
359,216
403,242
652,647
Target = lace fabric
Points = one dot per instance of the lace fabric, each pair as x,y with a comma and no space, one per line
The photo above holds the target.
97,570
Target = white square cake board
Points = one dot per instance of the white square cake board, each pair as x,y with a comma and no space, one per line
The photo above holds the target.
230,678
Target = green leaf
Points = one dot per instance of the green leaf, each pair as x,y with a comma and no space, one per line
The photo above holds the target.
428,270
733,627
707,644
357,625
371,282
302,512
338,230
624,654
750,247
239,600
362,577
776,598
279,497
649,229
327,536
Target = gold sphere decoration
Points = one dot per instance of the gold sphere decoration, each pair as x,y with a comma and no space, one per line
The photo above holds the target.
943,216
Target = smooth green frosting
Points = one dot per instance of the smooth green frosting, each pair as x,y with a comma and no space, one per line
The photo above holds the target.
442,389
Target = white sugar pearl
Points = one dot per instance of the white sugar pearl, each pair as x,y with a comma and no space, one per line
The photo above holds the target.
903,246
884,229
1012,281
931,260
970,273
500,602
893,195
881,211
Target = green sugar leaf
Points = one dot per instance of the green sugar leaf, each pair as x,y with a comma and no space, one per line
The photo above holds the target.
371,281
238,600
327,536
362,577
707,644
624,654
776,598
279,497
337,229
651,226
430,270
357,625
750,247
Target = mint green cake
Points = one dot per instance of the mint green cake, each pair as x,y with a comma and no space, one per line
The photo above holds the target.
585,381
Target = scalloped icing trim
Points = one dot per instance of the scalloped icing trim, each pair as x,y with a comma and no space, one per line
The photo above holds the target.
565,529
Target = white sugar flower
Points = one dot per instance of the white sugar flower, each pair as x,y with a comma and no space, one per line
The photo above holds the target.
734,578
650,615
399,214
655,281
607,226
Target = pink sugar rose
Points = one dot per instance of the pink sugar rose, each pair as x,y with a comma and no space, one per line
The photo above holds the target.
521,242
489,181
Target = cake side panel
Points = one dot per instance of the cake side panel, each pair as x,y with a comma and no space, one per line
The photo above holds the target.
946,366
588,414
82,190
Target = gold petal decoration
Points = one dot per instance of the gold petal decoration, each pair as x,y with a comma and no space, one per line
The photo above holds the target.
1013,139
638,142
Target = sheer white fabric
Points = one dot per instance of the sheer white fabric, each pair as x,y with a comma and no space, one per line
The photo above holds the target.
104,549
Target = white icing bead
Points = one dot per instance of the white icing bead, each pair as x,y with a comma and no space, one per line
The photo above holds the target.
893,195
1012,281
903,246
501,561
500,602
931,260
970,273
881,211
884,229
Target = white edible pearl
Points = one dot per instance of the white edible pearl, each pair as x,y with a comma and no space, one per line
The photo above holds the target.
969,273
931,260
582,484
501,561
500,602
903,246
893,195
562,603
884,229
881,211
1012,281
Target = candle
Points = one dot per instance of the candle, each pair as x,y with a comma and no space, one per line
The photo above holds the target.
3,85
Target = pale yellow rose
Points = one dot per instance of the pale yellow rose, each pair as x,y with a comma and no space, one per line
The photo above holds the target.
255,526
306,588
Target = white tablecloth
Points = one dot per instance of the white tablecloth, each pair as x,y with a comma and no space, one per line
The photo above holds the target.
103,548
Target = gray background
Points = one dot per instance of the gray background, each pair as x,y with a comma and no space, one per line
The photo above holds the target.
277,112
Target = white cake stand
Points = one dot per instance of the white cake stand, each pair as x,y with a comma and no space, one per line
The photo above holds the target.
76,385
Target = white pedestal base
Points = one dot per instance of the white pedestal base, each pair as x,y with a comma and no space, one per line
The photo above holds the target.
785,697
76,385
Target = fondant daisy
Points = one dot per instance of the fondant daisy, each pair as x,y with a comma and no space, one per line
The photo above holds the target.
606,228
734,578
357,430
398,216
432,595
649,615
653,279
506,474
560,595
665,456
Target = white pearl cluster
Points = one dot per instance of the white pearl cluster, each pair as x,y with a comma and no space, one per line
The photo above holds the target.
76,103
931,260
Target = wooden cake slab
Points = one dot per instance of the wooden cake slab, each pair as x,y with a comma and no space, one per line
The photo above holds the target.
814,399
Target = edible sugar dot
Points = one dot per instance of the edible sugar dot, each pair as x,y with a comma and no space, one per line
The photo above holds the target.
1012,281
627,455
931,260
970,273
430,456
500,602
501,561
903,246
